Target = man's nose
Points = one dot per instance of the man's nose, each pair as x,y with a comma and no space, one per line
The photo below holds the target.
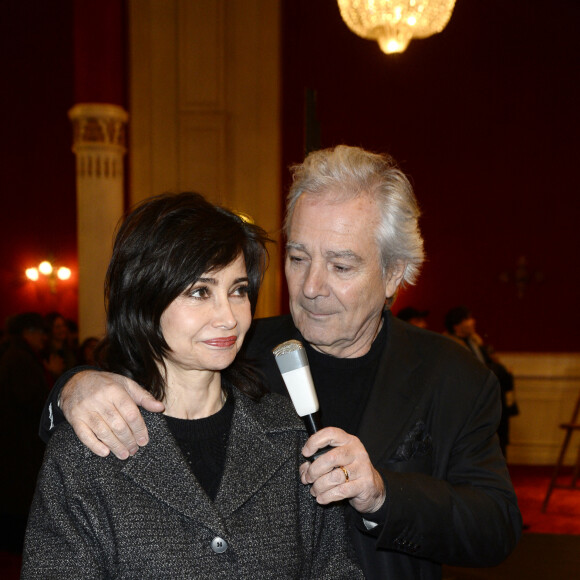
315,282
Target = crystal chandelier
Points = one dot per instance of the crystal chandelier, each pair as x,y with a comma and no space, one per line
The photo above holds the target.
393,23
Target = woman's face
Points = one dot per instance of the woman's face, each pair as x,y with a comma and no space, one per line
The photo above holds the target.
89,351
59,329
205,326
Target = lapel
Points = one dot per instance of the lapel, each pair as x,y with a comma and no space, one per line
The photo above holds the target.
160,469
252,457
397,390
251,460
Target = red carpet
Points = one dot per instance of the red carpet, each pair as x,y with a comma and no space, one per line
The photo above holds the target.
563,513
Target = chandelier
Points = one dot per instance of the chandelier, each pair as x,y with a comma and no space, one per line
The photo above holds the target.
393,23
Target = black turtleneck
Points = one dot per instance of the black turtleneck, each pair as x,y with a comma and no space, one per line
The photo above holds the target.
203,443
343,385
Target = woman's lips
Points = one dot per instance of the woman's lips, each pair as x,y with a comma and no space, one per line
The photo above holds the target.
226,342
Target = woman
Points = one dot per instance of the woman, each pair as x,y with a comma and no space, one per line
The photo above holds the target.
215,494
87,351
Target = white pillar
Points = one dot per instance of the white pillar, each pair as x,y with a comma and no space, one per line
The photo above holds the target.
99,146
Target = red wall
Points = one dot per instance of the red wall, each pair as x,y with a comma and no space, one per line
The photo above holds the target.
484,118
37,179
53,54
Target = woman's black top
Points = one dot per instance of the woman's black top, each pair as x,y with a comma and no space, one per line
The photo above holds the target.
203,443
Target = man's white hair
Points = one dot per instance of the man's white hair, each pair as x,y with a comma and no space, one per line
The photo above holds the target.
344,173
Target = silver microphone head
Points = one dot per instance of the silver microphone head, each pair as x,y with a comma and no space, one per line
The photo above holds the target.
290,355
288,346
293,364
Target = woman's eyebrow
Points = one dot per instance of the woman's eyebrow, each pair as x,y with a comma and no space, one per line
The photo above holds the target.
213,281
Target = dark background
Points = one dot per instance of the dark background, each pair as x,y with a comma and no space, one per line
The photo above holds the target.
483,117
37,171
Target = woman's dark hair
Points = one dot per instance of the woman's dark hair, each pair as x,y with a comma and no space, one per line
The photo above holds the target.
163,247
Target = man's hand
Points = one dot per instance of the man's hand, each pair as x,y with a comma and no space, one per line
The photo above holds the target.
102,409
364,489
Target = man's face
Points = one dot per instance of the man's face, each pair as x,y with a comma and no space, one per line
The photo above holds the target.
419,322
334,273
465,328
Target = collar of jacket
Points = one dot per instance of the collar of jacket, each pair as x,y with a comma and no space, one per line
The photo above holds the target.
262,438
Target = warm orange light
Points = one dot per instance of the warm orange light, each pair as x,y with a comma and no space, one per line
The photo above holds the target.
246,217
63,273
45,267
393,23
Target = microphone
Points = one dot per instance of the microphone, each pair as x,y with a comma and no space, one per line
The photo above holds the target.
293,364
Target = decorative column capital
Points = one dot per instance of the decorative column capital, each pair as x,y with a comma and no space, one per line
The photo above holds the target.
98,125
99,140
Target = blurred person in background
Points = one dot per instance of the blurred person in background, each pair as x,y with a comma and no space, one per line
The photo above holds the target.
73,334
23,390
460,326
413,316
58,348
87,351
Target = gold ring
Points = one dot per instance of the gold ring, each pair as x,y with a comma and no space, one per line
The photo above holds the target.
345,471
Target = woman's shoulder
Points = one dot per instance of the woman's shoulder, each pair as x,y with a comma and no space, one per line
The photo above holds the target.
67,455
64,440
66,450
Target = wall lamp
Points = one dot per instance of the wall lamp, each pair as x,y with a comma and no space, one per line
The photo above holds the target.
49,272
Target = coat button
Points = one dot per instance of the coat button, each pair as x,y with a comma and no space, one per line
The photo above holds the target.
219,545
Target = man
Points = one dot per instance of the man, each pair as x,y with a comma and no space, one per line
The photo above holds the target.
410,416
460,327
413,316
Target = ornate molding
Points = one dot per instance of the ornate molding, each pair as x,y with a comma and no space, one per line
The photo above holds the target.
99,139
99,125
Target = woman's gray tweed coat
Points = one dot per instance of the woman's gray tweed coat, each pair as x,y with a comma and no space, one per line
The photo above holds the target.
148,517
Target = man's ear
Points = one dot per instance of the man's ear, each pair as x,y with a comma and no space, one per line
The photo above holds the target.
394,278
